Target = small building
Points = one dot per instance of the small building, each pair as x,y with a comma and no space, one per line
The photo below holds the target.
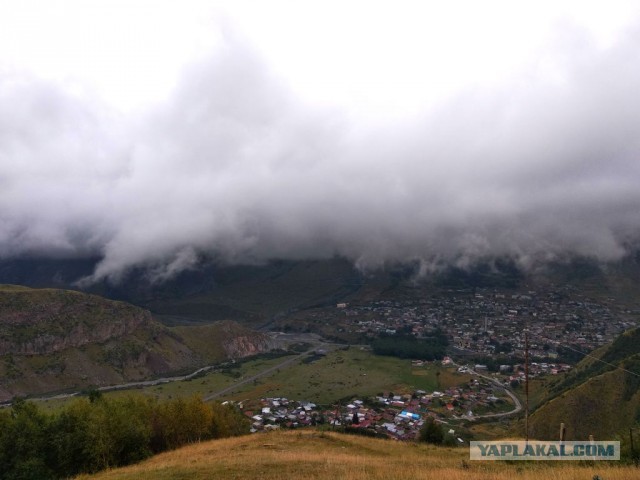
409,415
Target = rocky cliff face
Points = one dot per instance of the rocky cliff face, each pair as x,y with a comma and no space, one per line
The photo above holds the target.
42,322
245,346
53,340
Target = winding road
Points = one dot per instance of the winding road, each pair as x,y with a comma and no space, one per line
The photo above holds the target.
516,401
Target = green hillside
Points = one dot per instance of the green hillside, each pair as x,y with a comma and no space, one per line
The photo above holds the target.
600,397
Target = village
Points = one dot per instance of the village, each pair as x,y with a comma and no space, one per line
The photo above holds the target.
401,415
489,322
487,330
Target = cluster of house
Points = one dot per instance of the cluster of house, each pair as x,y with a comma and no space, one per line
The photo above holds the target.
489,322
517,371
282,412
396,416
536,369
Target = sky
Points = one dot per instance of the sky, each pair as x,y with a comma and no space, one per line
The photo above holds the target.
153,134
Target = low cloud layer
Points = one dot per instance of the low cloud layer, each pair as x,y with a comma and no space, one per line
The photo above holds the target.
236,166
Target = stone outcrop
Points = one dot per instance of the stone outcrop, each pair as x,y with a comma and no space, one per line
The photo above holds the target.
54,340
245,346
41,322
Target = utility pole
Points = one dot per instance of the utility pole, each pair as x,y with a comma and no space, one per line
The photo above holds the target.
526,385
336,415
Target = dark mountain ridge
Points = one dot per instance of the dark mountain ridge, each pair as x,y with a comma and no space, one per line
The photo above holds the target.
254,293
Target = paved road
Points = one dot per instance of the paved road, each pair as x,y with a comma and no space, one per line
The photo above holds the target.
125,386
269,370
313,339
516,401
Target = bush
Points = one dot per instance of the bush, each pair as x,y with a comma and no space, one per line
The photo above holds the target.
431,432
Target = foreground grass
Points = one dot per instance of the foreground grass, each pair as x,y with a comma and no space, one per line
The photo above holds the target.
326,455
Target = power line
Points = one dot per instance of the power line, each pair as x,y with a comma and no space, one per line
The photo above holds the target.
589,355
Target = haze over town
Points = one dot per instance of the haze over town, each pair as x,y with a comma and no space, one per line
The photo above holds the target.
154,133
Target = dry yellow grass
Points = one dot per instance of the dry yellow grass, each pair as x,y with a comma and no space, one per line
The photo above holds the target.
314,455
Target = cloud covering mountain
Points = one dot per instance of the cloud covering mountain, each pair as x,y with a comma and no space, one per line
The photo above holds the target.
234,163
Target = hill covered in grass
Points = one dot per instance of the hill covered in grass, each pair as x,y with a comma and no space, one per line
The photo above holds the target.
312,454
600,397
54,340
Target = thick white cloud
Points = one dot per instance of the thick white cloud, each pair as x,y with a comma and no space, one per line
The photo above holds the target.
238,163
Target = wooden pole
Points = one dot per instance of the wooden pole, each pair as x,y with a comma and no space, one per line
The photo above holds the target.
526,386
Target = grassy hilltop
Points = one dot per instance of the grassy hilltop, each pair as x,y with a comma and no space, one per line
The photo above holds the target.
318,455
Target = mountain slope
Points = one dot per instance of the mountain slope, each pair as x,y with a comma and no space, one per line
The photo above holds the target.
212,292
600,397
46,321
255,294
52,340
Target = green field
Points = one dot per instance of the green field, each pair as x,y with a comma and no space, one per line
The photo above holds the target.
343,373
339,374
202,385
350,372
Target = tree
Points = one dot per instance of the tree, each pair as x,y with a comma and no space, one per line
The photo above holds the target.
431,432
70,439
118,432
92,434
24,448
94,395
